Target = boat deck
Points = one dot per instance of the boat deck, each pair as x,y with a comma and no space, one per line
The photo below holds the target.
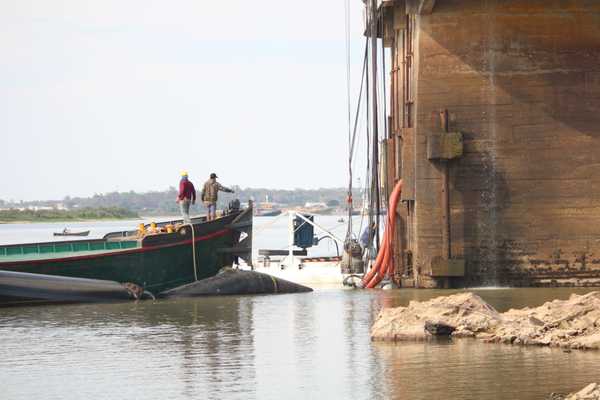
44,251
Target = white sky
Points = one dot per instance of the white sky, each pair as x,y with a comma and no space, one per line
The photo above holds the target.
104,95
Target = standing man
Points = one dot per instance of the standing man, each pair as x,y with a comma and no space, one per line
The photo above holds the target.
187,196
210,194
367,236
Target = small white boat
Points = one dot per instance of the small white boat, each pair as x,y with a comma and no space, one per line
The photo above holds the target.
67,232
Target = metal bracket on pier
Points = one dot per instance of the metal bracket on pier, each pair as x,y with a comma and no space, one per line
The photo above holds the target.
243,248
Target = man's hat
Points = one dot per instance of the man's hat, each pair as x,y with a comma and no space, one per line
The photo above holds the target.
213,176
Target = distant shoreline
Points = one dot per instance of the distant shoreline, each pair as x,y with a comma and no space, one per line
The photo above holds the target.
13,216
50,221
158,218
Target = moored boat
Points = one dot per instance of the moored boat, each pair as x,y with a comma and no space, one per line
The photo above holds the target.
69,233
157,258
267,209
267,213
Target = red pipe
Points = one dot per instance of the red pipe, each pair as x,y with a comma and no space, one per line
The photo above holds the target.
382,263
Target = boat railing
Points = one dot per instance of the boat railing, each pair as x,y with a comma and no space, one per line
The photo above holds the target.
64,247
121,235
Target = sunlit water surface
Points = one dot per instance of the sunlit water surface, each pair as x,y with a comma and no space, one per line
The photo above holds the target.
298,346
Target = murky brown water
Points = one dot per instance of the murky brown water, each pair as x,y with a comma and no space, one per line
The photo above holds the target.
301,346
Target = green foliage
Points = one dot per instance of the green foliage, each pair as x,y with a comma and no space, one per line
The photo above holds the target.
85,213
333,203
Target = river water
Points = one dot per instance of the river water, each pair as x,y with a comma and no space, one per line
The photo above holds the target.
298,346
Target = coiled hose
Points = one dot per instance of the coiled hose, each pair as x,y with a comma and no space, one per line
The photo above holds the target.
384,263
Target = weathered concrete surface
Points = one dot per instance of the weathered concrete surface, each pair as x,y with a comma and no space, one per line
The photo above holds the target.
521,81
590,392
572,323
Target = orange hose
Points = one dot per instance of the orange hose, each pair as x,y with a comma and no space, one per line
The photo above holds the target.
380,271
378,260
382,262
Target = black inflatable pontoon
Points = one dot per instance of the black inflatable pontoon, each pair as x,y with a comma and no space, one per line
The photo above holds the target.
21,288
233,282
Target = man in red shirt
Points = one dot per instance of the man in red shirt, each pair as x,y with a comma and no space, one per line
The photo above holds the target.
187,196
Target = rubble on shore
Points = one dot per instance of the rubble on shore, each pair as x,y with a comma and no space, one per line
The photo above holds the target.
590,392
570,324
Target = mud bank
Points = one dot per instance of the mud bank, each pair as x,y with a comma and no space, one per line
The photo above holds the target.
570,324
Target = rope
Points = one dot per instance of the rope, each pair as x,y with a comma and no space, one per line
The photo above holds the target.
274,283
337,248
383,84
147,293
259,230
347,33
350,138
360,92
353,144
194,251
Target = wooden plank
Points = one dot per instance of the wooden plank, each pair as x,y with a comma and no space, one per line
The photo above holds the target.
408,164
383,172
421,7
391,165
445,146
447,268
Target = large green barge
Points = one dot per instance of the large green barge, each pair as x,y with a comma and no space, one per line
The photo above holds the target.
156,261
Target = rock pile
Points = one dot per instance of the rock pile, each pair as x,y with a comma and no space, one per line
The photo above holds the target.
590,392
572,323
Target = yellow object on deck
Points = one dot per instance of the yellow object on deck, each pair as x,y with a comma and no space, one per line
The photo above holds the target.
141,230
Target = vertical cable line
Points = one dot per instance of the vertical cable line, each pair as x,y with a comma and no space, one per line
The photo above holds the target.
369,174
350,138
353,140
375,158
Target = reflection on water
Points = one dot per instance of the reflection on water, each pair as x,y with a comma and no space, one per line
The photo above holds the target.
298,346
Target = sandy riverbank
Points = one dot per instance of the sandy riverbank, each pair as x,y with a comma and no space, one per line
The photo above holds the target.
570,324
590,392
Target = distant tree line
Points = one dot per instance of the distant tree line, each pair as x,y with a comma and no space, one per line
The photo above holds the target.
163,202
86,213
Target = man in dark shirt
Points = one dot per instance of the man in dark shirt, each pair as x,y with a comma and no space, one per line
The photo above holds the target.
210,195
186,197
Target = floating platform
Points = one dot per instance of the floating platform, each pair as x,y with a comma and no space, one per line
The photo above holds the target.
21,288
236,282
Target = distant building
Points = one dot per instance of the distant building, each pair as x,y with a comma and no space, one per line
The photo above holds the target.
314,205
39,208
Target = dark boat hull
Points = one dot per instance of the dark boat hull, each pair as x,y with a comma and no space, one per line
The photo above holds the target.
19,288
156,262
